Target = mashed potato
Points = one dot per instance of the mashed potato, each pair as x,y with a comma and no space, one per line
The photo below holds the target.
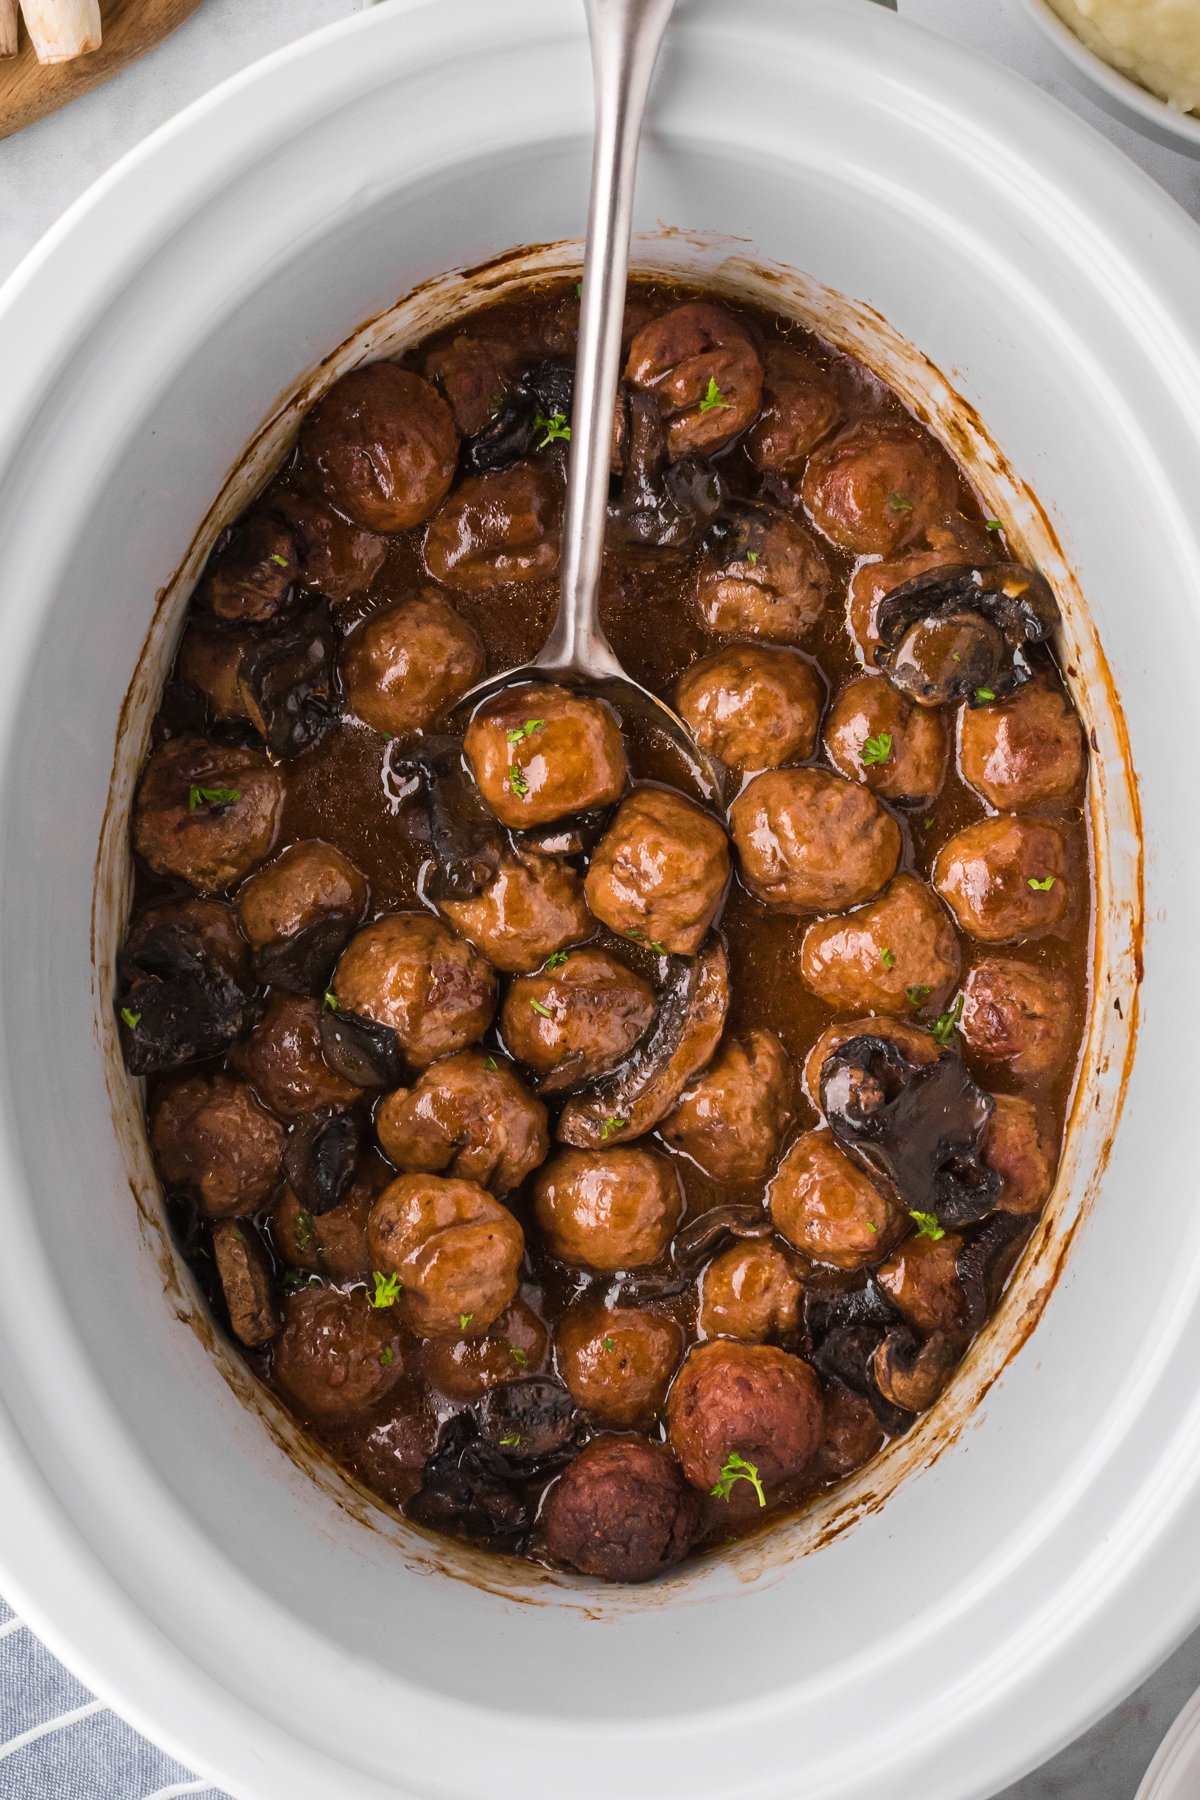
1157,42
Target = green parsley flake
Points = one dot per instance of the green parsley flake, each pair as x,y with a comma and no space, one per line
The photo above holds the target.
330,1002
877,749
131,1018
917,996
872,1228
610,1343
387,1355
543,1012
1044,886
993,525
713,398
610,1127
639,937
387,1290
280,560
984,694
517,781
555,428
752,558
579,290
557,958
490,1064
899,503
518,1356
510,1442
295,1279
304,1230
943,1029
738,1469
205,796
927,1225
887,958
524,731
464,1319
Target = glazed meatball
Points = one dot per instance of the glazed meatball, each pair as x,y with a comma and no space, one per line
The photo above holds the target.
753,707
408,971
472,372
660,871
853,1435
899,952
879,486
607,1209
577,1021
206,813
919,1046
1024,751
921,1280
732,1118
282,1060
456,1251
619,1512
409,663
750,1291
800,406
337,1356
381,447
210,660
1018,1144
618,1361
873,580
337,557
466,1367
468,1116
504,526
808,841
1005,878
245,1278
1018,1016
250,575
211,1137
877,735
302,886
826,1206
703,369
531,907
752,1399
769,579
540,753
333,1243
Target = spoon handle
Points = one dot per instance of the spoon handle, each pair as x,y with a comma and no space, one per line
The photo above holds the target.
625,38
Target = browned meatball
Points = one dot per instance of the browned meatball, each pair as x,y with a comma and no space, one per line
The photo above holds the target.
702,367
337,557
825,1205
410,972
921,1280
1024,751
618,1361
381,446
456,1251
1019,1144
213,922
660,871
853,1435
607,1209
1018,1015
282,1060
302,885
575,1022
502,527
210,1136
207,813
878,486
899,952
750,1291
531,907
209,660
873,580
619,1512
771,580
1005,878
390,1457
336,1355
755,708
732,1118
919,1046
877,735
245,1278
409,663
468,1116
749,1399
333,1243
473,372
251,573
541,752
808,841
801,405
466,1367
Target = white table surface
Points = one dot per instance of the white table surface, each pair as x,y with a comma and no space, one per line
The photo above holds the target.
45,167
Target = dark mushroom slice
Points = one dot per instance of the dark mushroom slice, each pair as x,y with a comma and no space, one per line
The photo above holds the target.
533,1421
304,962
289,682
470,1489
245,1277
662,507
360,1050
534,413
464,834
911,1372
844,1331
320,1157
566,837
987,1260
743,1221
177,1002
963,632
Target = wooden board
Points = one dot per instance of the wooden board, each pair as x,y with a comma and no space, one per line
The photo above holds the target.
30,89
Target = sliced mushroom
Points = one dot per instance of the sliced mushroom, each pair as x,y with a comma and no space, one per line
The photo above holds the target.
362,1052
178,1003
695,1243
304,962
911,1372
534,1421
245,1277
962,632
320,1158
288,682
844,1330
519,423
661,506
470,1488
566,837
986,1262
464,835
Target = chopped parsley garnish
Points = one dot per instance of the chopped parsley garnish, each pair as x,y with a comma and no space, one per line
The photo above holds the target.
993,525
387,1355
877,749
524,731
510,1442
330,1002
304,1230
517,781
203,796
610,1343
518,1355
917,996
713,397
752,558
1043,886
899,503
387,1289
464,1319
490,1064
280,560
887,958
927,1225
543,1012
639,937
579,290
131,1018
984,694
738,1469
295,1279
926,824
872,1228
610,1126
557,958
555,427
944,1028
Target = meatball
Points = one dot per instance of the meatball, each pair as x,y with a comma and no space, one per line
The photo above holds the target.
336,1355
750,1291
1005,878
1025,751
206,813
250,575
501,527
531,907
853,1434
210,660
732,1118
575,1022
468,1116
618,1361
808,841
1018,1015
297,889
704,371
382,447
473,373
540,753
877,735
769,580
466,1367
607,1209
409,663
409,971
660,871
879,486
921,1280
826,1206
333,1243
870,583
899,952
919,1046
456,1251
1019,1145
337,557
751,1400
211,1137
801,405
245,1278
282,1060
753,707
619,1512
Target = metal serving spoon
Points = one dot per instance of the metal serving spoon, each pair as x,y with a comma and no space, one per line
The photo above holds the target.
625,38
